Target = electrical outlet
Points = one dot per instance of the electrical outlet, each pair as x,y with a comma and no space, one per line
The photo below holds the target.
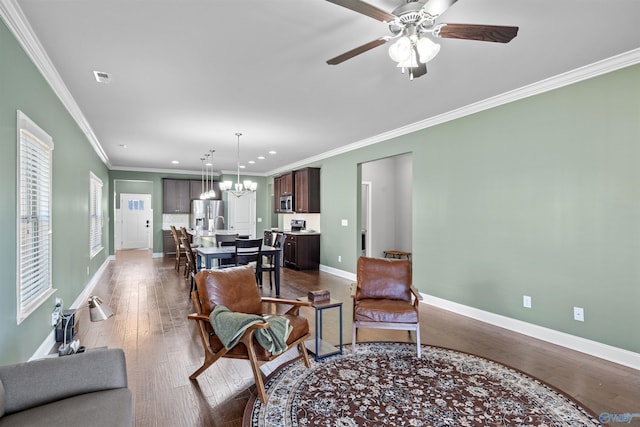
344,223
578,314
55,317
526,301
58,302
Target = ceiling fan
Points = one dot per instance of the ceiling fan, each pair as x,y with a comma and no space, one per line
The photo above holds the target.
411,24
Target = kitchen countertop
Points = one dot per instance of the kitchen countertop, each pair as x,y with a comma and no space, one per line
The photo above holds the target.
295,233
207,233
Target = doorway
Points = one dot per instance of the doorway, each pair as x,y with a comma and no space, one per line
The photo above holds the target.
388,204
136,217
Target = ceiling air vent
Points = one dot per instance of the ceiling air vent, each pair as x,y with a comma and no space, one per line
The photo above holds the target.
102,77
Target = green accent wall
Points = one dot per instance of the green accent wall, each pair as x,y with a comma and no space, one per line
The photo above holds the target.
22,87
538,197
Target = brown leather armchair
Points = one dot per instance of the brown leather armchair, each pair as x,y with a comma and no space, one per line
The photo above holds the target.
235,288
384,297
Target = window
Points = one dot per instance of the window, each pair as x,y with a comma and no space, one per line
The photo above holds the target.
35,149
95,214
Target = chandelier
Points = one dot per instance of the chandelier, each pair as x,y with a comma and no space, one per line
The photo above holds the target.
239,189
207,183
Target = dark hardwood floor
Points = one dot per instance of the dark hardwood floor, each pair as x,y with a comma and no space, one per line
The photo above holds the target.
151,303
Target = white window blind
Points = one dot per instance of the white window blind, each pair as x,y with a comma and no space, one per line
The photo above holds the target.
35,149
95,215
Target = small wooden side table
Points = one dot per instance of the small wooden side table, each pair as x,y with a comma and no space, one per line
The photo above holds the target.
318,346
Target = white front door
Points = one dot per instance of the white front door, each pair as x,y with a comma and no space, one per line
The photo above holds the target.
137,221
242,214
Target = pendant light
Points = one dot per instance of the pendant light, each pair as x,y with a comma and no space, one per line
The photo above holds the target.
207,183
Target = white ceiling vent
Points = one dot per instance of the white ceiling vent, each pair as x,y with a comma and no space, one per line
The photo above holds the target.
102,77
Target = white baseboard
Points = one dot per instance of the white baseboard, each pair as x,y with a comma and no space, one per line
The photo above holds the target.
339,273
583,345
50,341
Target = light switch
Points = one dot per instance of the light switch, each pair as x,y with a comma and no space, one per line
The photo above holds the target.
345,223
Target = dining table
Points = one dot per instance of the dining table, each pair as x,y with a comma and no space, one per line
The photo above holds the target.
208,253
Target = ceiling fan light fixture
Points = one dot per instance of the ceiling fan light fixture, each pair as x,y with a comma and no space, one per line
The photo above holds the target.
410,62
427,49
401,50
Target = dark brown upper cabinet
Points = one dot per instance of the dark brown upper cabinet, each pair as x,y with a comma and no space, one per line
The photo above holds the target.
307,190
175,196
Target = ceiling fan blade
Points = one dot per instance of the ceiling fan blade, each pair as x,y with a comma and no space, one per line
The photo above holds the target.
418,71
365,9
437,7
357,51
484,33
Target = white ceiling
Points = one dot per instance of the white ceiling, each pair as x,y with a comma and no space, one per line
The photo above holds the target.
187,74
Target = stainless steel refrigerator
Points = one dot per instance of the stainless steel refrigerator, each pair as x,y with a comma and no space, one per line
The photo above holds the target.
207,215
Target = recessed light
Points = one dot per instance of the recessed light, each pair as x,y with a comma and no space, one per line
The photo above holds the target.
260,157
272,152
242,166
251,162
175,162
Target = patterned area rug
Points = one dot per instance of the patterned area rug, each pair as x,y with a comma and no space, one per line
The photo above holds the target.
385,384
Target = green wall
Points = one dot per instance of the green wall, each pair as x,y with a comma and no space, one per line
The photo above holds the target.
130,187
538,197
23,88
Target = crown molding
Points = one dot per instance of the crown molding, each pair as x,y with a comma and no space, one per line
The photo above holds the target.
17,23
15,20
595,69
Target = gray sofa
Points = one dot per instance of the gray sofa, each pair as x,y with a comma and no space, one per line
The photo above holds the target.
86,389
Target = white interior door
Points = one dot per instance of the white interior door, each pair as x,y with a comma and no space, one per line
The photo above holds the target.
242,214
137,221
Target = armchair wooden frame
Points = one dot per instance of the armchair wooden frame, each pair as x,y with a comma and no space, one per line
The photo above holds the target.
380,267
206,332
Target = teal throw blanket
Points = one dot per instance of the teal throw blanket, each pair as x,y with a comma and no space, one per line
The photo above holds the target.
229,327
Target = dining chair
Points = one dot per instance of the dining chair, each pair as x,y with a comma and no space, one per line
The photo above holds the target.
248,252
186,235
268,261
385,298
191,268
180,254
223,239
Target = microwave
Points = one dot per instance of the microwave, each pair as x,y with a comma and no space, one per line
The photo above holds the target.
286,203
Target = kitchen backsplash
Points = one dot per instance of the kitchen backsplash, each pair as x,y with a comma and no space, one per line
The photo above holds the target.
313,221
178,220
